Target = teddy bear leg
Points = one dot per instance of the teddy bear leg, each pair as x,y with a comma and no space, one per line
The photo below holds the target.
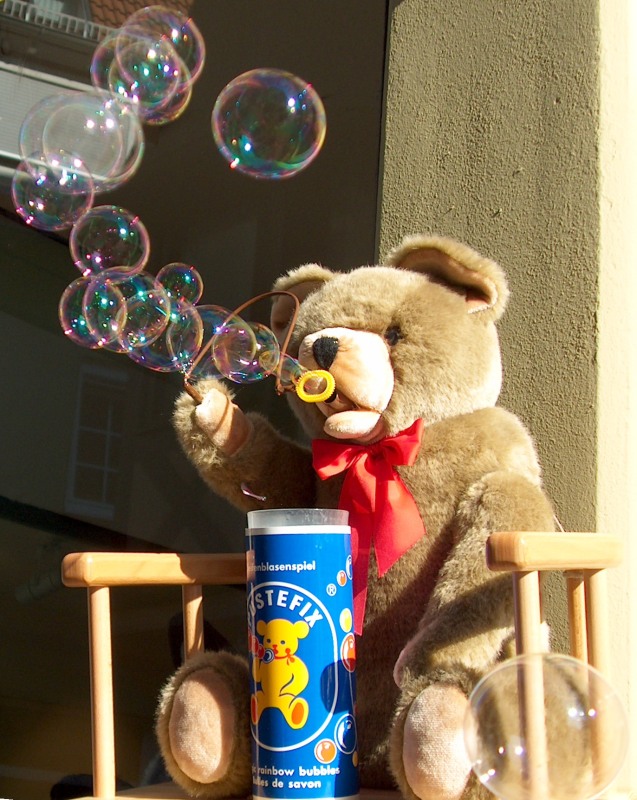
203,726
435,765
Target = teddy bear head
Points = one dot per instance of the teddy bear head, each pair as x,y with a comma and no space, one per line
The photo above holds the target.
282,636
412,338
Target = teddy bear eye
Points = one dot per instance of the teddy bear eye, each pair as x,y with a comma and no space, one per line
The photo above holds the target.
393,335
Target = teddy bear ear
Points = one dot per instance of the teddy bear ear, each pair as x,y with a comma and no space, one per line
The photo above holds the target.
457,266
300,282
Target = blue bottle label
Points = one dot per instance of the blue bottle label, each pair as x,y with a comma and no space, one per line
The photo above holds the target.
302,654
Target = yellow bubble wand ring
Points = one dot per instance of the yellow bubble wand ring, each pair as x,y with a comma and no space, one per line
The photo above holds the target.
315,374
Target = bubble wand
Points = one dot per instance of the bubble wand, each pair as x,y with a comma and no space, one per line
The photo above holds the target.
311,386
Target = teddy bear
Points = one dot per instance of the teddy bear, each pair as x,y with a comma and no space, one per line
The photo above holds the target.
281,674
412,442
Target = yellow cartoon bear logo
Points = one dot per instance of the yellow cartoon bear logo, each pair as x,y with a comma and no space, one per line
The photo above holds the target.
281,674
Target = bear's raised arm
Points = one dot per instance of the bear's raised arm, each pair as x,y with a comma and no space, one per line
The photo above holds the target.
239,455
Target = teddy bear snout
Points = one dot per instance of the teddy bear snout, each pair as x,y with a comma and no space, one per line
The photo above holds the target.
324,350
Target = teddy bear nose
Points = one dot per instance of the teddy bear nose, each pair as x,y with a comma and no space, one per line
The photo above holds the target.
324,351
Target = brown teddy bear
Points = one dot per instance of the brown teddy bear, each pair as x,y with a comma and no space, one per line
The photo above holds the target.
414,353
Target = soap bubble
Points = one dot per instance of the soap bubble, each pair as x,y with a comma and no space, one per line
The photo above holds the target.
160,22
268,123
571,746
212,318
104,310
145,73
147,310
93,126
176,348
182,282
245,352
71,313
52,191
157,98
109,237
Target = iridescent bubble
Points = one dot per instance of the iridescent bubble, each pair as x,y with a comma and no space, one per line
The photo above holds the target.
147,310
212,318
109,237
545,725
161,22
268,123
104,310
145,73
245,352
104,133
345,734
182,282
52,191
71,314
176,348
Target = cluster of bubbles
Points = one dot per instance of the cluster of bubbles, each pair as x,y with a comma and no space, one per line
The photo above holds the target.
75,145
157,320
266,123
545,725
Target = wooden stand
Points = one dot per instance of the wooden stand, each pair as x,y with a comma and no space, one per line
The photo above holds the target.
582,556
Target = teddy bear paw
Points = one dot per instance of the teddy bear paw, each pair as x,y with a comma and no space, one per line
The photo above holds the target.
203,739
201,727
434,758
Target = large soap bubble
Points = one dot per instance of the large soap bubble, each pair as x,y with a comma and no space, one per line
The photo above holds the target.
52,191
545,725
183,282
109,238
145,73
161,22
268,123
93,126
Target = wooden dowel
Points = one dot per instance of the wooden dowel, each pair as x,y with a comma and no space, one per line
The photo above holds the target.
576,597
528,621
597,620
192,598
528,617
101,692
603,740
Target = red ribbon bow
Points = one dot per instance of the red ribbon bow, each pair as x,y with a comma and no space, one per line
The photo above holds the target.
382,511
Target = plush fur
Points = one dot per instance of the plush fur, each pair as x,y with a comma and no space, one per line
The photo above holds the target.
416,339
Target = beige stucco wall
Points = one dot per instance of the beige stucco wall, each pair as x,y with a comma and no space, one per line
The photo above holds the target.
508,125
